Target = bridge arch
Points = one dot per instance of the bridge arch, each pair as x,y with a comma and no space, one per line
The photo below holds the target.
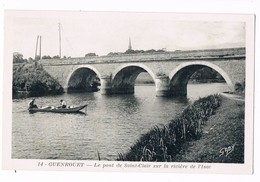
83,78
123,78
180,76
140,65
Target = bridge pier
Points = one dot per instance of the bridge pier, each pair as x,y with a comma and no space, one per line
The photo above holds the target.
106,85
178,90
162,86
178,86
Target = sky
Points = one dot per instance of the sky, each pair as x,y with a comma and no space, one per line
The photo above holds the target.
104,32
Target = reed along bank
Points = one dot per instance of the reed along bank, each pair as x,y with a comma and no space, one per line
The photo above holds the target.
209,130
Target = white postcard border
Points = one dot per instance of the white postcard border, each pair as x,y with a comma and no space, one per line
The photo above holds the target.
28,164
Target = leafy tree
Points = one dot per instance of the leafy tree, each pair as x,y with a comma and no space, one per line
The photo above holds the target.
151,50
34,80
30,60
207,74
131,51
18,58
90,54
114,53
46,57
56,57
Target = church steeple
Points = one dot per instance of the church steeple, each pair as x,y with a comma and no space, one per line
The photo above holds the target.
130,45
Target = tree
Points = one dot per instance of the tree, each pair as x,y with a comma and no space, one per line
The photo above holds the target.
30,60
18,57
207,74
114,53
131,51
151,50
46,57
56,57
35,81
90,54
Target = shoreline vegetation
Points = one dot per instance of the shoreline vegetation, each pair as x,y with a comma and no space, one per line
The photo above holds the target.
222,140
31,80
197,135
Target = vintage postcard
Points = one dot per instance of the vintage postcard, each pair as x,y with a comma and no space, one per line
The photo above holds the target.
135,92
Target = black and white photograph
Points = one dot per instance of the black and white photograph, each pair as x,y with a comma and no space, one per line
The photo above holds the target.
113,91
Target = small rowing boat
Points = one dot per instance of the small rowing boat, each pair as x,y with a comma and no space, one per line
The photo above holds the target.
70,109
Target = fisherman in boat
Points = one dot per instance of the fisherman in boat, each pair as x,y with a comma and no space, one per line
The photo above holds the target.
63,104
32,104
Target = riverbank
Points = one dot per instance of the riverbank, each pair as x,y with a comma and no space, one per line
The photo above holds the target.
222,140
30,80
207,131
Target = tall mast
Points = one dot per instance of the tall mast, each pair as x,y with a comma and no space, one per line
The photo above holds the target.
59,40
40,51
36,47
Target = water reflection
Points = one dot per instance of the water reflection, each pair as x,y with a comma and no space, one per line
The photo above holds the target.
129,105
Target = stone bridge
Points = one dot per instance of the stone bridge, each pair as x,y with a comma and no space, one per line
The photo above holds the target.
170,71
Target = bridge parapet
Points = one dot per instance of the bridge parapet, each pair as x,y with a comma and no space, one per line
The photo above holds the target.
212,54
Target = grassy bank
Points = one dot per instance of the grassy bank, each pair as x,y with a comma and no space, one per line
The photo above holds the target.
209,130
222,140
167,143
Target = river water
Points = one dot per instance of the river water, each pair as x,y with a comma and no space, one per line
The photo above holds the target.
112,123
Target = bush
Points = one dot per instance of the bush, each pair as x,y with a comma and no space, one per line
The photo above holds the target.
35,81
240,87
